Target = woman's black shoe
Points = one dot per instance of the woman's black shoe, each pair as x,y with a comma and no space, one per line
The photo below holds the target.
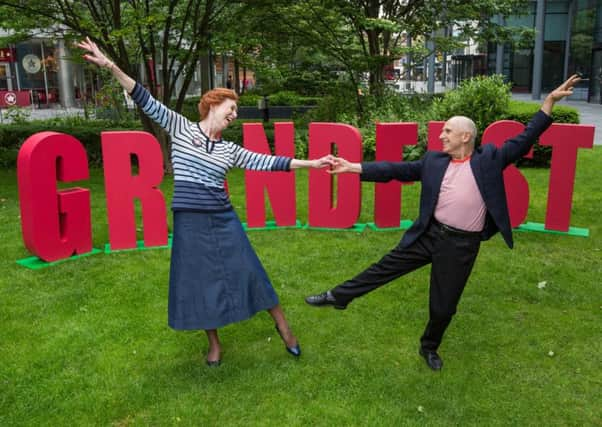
295,350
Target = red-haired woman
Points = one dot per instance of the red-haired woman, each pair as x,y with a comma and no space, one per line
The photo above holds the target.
215,275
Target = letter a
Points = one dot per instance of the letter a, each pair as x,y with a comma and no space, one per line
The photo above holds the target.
280,186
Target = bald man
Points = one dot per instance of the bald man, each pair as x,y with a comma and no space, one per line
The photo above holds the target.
462,202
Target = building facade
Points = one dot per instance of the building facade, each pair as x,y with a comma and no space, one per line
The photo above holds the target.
41,72
571,43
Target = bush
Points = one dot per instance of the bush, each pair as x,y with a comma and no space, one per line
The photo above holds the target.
251,99
341,107
12,136
16,114
484,99
523,111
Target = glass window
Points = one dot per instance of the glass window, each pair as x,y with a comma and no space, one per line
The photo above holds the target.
555,27
37,66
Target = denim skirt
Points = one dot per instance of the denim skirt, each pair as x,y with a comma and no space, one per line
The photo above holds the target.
215,276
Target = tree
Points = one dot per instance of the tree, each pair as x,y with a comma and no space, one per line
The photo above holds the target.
365,36
173,33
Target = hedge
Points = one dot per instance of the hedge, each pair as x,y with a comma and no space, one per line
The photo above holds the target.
522,112
12,136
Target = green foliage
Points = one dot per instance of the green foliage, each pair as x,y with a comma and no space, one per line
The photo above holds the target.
15,114
335,106
484,99
523,111
190,108
286,97
340,107
251,99
12,136
110,102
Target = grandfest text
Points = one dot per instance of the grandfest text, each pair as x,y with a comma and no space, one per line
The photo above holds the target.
56,222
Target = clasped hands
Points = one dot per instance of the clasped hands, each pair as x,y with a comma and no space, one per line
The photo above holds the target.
337,165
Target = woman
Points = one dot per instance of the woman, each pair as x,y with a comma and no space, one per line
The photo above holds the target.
215,276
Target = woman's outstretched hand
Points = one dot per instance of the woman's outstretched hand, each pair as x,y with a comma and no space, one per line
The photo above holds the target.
340,165
322,162
94,55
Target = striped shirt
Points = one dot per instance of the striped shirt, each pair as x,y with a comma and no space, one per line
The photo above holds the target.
200,164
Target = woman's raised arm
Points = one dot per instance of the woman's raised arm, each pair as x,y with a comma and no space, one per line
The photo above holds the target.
95,56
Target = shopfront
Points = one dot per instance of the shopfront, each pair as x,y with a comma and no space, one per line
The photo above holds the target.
41,69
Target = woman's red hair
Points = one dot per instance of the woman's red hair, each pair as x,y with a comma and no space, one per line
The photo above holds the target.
215,97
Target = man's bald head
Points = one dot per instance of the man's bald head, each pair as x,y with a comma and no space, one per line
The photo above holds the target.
464,124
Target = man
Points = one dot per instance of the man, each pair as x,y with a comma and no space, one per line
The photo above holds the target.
462,202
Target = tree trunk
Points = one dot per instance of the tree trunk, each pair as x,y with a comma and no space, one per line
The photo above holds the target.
163,139
236,76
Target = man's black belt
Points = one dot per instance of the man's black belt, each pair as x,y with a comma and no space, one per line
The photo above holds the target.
454,231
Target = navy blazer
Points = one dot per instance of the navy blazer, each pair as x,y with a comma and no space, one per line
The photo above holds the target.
487,162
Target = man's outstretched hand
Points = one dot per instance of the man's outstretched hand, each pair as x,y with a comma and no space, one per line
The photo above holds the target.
565,89
341,165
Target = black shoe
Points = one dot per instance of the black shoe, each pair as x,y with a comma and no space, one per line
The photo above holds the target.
432,359
323,299
214,363
295,350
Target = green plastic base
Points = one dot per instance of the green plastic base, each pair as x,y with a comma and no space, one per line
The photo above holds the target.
357,227
270,225
540,228
404,224
36,263
139,246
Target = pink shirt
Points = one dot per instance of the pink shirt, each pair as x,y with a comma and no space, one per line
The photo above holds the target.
460,204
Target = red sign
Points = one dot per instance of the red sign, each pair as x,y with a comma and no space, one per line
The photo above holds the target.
12,98
56,222
7,54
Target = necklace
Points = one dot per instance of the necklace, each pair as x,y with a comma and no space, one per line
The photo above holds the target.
205,135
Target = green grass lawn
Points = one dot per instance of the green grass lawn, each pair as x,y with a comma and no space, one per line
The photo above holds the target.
86,342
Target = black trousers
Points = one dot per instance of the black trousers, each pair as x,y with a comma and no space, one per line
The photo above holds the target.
452,254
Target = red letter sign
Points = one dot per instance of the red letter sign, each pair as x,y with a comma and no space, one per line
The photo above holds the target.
55,224
322,213
122,188
517,188
434,130
280,186
565,140
390,139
